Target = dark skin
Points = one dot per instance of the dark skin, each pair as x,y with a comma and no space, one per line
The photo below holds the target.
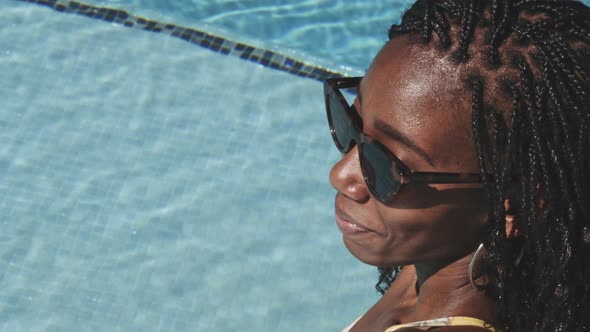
431,229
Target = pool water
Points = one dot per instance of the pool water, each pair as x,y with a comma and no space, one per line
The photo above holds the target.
344,32
147,184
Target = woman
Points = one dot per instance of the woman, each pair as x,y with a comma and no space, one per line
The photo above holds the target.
466,161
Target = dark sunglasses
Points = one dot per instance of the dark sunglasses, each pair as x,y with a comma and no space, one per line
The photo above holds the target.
384,173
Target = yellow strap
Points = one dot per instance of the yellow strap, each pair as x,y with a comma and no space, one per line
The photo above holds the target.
447,321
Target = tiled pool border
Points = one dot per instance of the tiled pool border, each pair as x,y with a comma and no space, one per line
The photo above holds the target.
264,57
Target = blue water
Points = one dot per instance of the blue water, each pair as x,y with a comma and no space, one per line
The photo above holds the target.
147,184
344,32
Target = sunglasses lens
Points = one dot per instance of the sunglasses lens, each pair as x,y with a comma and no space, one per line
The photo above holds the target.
343,129
382,174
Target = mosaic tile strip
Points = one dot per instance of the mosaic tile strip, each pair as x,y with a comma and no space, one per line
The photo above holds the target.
201,38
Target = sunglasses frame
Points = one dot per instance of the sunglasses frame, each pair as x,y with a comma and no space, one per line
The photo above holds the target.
332,88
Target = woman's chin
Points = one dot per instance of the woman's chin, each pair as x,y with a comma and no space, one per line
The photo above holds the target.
372,255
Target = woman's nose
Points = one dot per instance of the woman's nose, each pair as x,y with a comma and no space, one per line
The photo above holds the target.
346,177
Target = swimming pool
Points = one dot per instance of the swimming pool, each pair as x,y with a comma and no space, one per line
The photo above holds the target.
149,184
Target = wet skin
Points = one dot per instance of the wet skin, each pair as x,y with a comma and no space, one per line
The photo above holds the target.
420,95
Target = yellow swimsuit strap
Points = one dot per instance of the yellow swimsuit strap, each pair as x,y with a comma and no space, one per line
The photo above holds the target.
447,321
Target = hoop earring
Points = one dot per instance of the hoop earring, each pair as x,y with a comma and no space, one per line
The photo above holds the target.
472,264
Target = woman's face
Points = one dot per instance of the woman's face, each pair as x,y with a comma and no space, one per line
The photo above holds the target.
413,101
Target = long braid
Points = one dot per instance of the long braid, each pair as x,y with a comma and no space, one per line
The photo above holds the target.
441,27
428,24
498,27
541,279
468,16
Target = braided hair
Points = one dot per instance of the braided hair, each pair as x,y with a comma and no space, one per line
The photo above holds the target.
537,149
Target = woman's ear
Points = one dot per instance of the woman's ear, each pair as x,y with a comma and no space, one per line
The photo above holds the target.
513,226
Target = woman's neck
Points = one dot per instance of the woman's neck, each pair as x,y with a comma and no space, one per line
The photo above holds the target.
443,289
427,270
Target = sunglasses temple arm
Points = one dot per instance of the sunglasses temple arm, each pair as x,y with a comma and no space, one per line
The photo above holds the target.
441,178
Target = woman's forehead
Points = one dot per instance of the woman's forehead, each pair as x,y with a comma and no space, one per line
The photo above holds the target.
415,71
409,82
422,95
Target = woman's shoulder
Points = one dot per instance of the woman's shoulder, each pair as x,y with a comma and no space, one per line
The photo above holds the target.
446,329
447,324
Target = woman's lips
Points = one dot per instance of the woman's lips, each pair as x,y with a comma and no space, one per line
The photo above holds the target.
349,227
